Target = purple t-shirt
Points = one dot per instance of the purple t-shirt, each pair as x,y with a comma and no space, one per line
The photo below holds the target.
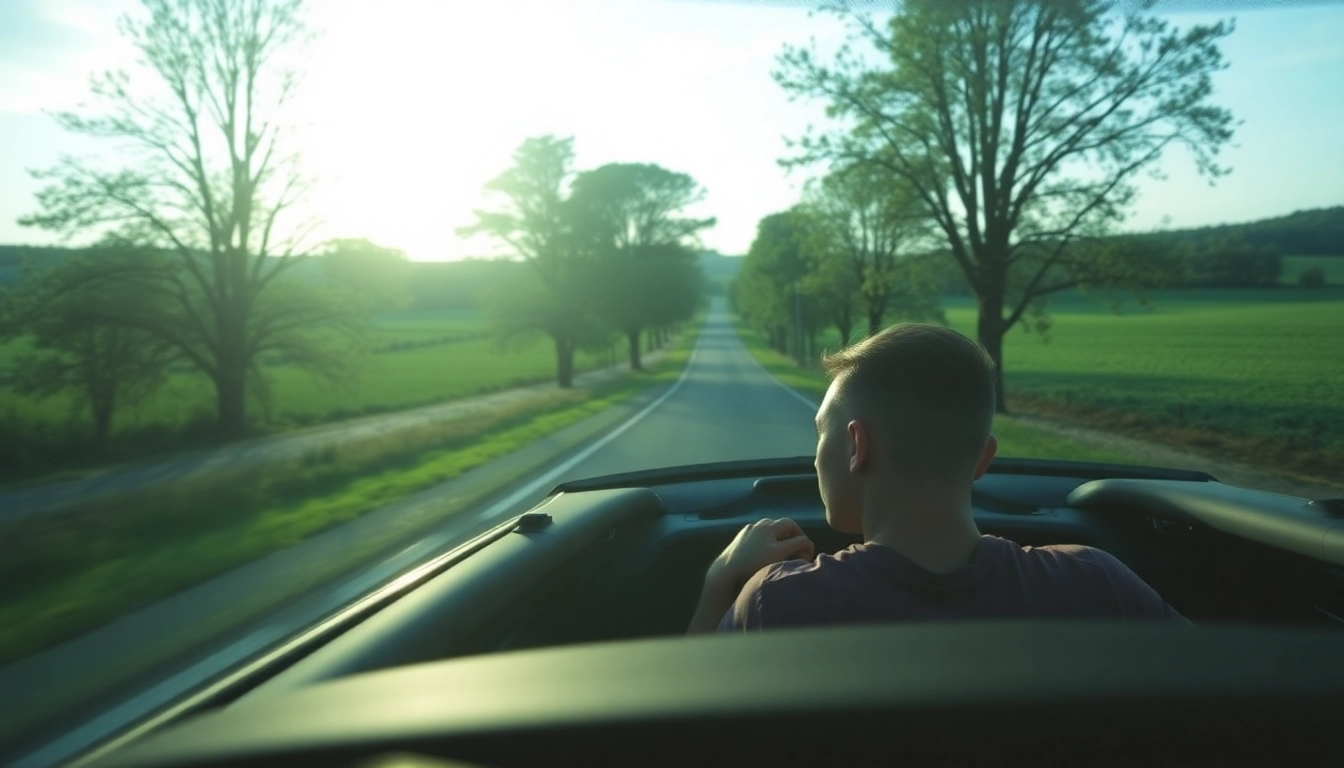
873,583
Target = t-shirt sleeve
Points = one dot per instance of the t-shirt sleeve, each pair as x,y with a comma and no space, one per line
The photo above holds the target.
1136,599
745,613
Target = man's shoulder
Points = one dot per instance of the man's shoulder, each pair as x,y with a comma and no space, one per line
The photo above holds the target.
1078,556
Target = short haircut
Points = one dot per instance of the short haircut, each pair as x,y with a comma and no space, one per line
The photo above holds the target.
926,393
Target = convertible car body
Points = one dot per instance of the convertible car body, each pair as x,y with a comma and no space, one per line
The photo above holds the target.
556,638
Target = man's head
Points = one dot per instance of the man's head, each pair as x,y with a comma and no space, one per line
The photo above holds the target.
911,408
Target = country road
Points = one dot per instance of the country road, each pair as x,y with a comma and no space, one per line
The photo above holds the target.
725,406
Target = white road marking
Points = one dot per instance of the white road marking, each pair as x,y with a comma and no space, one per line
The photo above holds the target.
520,495
804,399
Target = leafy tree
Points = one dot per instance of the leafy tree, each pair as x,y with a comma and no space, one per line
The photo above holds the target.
770,284
381,276
1231,262
204,174
534,220
105,365
1021,126
877,226
1312,277
645,273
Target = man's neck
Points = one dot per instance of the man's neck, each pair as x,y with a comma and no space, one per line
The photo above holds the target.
935,531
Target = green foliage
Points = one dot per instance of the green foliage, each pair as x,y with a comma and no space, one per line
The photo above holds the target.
84,566
427,357
207,182
377,275
1020,127
1016,439
640,261
1312,277
533,221
607,251
73,348
1315,232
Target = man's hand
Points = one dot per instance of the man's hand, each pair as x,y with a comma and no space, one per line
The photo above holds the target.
757,545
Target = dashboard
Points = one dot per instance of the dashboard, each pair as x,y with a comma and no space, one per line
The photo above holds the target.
604,563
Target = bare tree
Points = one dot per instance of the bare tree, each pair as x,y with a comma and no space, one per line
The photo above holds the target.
203,171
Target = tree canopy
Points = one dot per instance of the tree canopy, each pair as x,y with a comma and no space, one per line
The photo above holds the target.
208,175
609,249
1021,127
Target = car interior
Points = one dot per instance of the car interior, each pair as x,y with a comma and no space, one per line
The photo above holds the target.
606,560
622,558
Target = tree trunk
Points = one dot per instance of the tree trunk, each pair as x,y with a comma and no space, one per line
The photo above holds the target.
231,402
875,321
564,363
989,332
635,363
231,364
844,324
102,417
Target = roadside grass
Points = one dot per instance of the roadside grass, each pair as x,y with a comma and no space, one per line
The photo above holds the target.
1016,440
39,436
67,572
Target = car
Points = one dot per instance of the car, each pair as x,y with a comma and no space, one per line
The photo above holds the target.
557,638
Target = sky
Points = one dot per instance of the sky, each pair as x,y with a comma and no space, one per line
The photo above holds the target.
407,108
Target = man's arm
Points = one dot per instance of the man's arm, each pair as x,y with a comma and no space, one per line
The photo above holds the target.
757,545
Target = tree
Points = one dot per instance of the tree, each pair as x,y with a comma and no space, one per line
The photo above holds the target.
105,365
1312,277
535,222
877,226
1021,127
1231,262
770,284
629,216
381,276
206,178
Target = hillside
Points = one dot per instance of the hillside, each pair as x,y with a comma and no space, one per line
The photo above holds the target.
1315,232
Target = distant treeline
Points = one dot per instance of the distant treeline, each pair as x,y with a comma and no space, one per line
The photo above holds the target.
1315,232
431,284
1251,255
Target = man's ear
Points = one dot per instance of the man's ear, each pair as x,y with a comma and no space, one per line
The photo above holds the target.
860,447
991,448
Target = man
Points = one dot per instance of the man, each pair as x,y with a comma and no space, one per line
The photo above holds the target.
903,432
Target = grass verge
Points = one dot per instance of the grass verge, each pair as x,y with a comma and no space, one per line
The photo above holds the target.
1016,440
67,572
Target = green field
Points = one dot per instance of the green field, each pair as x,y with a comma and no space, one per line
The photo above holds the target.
425,357
1257,374
1016,440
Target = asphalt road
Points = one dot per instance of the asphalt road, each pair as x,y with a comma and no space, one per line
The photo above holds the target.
724,407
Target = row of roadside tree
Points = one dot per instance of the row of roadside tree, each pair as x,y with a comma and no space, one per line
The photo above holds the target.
202,239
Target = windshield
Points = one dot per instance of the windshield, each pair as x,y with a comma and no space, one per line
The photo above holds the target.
289,290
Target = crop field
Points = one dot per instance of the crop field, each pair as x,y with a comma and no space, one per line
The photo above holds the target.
1263,369
423,357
